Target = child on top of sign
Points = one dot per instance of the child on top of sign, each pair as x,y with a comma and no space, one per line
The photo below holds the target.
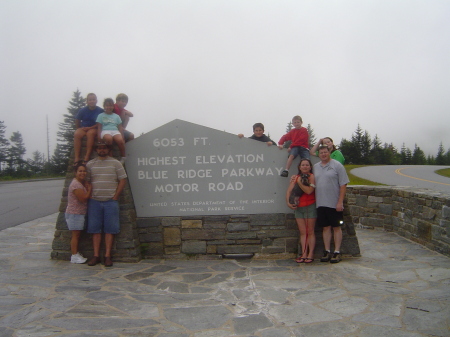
119,109
258,134
110,127
299,146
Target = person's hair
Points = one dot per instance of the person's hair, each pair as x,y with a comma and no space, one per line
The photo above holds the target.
310,165
334,146
323,147
122,97
108,100
90,94
77,166
297,118
258,125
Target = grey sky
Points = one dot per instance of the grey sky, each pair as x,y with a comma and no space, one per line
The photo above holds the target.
229,64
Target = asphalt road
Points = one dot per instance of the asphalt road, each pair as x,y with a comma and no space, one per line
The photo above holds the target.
24,201
422,176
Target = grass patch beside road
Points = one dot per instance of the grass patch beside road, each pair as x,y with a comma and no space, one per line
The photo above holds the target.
444,172
354,180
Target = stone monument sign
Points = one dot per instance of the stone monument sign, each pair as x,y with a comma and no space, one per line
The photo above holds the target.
182,169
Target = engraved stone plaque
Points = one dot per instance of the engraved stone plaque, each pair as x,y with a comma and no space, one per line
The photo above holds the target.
183,169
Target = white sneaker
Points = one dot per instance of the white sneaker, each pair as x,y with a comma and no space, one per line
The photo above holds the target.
78,258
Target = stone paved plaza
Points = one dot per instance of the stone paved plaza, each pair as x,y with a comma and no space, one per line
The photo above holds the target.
397,288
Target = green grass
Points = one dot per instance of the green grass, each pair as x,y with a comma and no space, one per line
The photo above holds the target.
354,180
444,172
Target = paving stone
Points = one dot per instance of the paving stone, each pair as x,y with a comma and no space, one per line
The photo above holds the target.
346,306
290,315
199,318
335,329
251,323
378,319
377,331
135,308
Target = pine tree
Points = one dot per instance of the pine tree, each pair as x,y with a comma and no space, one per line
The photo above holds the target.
59,161
67,129
36,164
440,158
4,144
312,137
418,156
16,152
287,144
376,152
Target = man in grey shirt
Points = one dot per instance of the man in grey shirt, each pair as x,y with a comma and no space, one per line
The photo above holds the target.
331,184
108,179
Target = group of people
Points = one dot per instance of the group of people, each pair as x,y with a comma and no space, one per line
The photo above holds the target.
98,183
322,186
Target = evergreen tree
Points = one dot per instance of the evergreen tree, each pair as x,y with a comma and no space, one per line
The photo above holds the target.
312,137
376,152
447,157
287,144
440,158
67,129
418,156
405,155
16,152
357,150
59,161
36,164
430,160
390,155
4,144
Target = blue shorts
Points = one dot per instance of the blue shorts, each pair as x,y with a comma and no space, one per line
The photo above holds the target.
75,222
103,216
299,150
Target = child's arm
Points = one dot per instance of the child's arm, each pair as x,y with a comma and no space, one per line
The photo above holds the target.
128,113
240,135
83,196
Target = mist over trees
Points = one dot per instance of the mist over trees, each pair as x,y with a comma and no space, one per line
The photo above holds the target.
360,148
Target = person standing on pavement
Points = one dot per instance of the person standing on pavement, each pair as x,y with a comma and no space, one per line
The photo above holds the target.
331,184
108,179
77,198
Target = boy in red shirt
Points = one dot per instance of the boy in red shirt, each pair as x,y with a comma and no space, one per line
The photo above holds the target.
300,143
119,109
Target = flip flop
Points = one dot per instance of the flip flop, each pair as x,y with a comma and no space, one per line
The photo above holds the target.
300,259
308,260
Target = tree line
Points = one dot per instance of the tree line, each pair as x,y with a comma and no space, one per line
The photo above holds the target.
12,150
360,149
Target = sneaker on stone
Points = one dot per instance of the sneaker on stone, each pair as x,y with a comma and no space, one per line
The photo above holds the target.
284,173
326,256
78,258
336,258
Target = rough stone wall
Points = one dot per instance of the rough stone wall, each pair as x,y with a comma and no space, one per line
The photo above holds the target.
420,215
126,243
265,235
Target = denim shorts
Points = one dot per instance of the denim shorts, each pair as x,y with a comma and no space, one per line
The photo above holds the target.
75,222
306,212
103,216
299,150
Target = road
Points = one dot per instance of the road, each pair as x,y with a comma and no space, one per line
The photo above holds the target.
422,176
24,201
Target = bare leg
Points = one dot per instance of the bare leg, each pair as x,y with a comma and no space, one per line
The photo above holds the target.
96,240
121,144
109,239
108,139
327,237
337,231
302,229
310,223
289,162
91,136
74,241
77,138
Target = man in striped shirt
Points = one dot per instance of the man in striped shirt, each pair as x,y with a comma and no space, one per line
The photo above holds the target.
108,179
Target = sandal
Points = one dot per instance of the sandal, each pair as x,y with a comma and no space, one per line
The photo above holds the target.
309,260
76,163
300,259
